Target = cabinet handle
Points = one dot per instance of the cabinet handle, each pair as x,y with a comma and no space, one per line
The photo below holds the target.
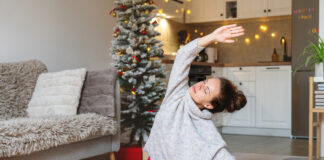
221,14
240,68
269,10
213,71
240,83
273,67
264,11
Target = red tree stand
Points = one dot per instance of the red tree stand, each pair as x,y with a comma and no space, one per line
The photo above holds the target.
129,153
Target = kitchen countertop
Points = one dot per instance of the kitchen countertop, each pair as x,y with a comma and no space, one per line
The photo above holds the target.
265,63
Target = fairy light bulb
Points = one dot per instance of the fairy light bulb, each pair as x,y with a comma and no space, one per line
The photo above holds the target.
188,11
273,34
263,28
257,36
160,11
196,30
247,40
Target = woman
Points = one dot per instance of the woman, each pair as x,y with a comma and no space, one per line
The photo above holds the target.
183,129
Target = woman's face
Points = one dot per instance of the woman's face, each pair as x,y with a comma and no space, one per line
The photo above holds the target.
204,91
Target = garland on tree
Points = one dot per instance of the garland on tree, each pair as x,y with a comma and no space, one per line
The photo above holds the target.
136,54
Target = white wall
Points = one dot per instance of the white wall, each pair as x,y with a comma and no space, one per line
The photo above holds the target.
64,34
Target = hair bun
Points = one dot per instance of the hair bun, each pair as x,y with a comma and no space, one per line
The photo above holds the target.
238,101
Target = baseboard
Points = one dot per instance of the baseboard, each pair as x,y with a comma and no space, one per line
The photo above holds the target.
256,131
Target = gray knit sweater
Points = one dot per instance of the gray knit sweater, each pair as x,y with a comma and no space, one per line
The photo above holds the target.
181,131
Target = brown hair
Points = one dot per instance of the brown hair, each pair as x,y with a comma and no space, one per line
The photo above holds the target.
229,99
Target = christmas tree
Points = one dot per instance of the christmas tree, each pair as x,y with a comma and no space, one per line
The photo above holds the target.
137,58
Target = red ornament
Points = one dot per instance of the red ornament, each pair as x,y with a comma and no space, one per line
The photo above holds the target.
123,7
135,58
144,32
117,30
112,11
134,89
120,73
154,110
154,22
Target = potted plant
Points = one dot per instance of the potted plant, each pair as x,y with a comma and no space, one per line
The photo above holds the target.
314,55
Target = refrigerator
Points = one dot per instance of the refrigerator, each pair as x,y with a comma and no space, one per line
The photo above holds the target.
302,30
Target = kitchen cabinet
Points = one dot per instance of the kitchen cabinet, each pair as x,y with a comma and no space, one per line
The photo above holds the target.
205,11
268,93
251,8
244,79
263,8
279,7
215,10
273,90
169,8
243,117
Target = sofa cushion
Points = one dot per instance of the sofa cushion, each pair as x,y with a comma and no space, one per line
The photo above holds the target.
57,93
17,83
98,93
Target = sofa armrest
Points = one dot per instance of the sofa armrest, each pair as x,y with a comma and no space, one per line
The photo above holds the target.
116,138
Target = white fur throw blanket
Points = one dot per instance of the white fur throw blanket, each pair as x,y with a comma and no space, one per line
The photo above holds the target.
22,136
17,83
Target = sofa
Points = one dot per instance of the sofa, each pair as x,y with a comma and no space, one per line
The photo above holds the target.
68,137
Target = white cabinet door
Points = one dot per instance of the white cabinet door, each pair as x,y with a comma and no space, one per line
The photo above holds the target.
273,97
197,11
217,72
214,10
279,7
251,8
244,117
239,74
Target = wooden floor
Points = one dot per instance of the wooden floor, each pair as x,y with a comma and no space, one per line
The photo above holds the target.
258,145
267,145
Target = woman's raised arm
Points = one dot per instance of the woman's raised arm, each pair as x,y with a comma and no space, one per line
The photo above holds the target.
178,80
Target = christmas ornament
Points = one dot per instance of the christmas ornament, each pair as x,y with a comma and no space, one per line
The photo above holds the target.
135,59
117,30
120,73
123,7
145,4
148,49
155,22
121,90
113,12
144,32
115,35
147,12
151,2
134,89
126,21
119,53
133,93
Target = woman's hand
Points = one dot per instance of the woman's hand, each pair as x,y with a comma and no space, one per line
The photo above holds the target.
222,34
